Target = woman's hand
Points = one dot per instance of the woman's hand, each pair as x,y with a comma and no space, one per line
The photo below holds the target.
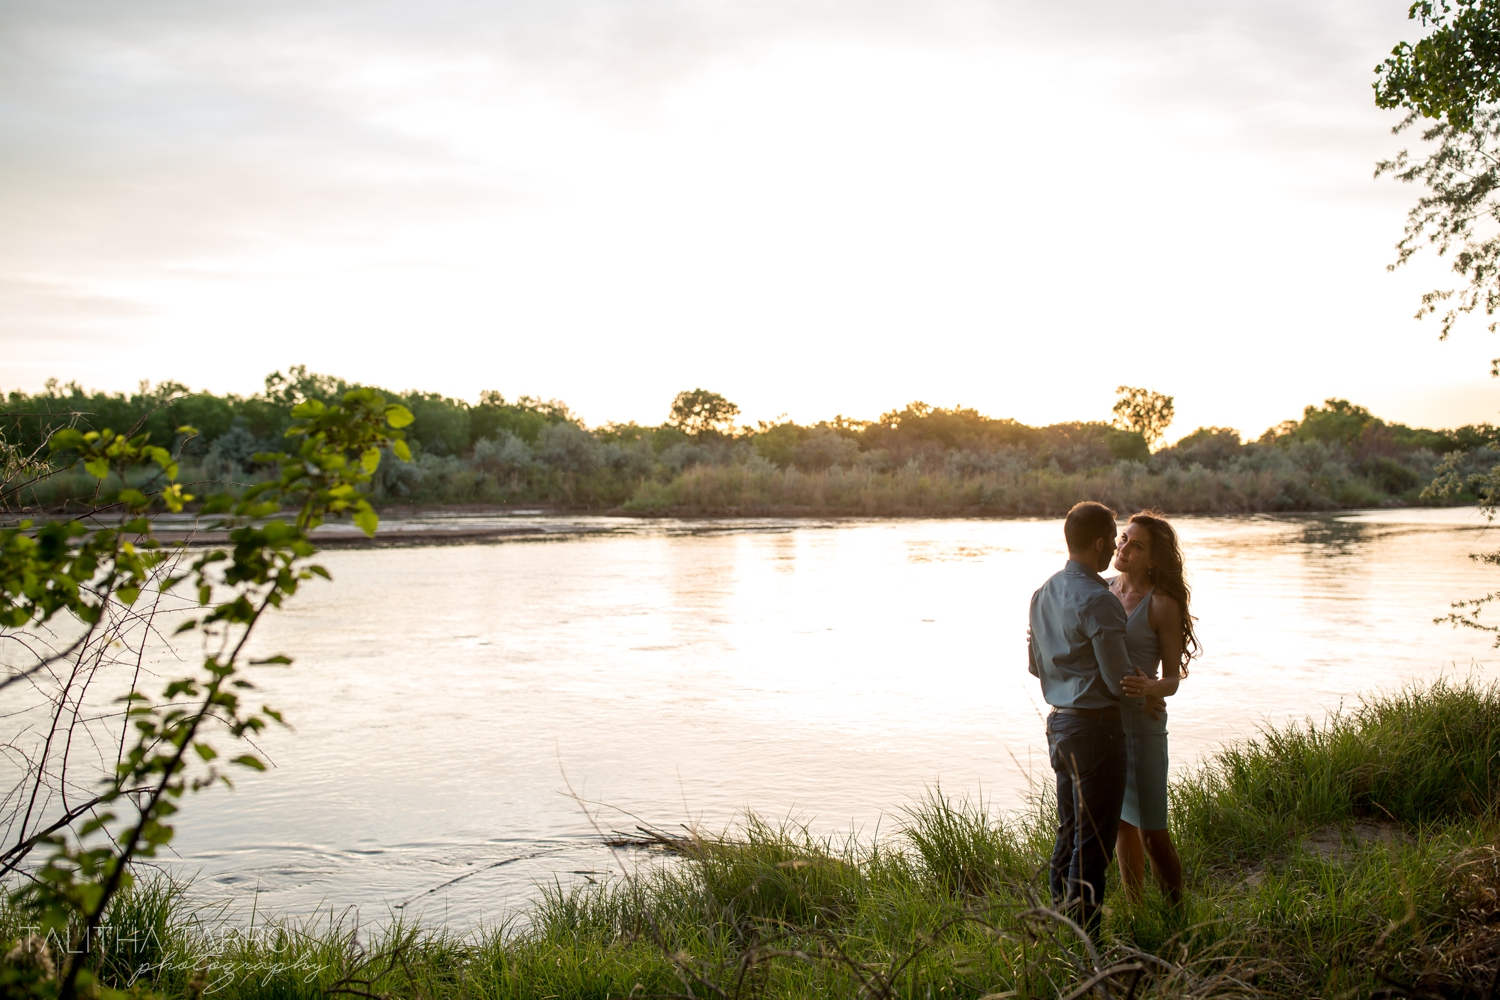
1138,685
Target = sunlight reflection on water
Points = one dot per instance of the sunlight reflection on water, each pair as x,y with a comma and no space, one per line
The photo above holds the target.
687,671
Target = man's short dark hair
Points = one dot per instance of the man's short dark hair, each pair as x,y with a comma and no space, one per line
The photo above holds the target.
1086,523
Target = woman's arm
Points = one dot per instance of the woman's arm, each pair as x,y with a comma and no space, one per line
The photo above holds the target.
1167,625
1169,634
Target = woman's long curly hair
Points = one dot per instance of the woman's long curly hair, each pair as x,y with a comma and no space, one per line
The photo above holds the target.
1167,576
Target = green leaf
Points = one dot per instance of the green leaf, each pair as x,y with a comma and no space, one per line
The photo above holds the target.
68,437
398,416
251,761
367,521
205,751
97,467
279,532
370,460
402,451
311,408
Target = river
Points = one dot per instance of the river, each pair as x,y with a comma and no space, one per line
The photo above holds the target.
446,699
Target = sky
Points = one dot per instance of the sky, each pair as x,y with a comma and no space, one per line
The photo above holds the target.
815,208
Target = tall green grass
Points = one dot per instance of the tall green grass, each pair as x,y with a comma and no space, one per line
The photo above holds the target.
759,487
1418,757
1352,857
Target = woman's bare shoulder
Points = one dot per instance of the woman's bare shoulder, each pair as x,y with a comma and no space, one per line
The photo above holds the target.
1165,604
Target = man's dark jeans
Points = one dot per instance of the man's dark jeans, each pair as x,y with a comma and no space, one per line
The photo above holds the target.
1088,755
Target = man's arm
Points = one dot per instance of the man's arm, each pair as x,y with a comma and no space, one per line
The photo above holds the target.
1033,666
1109,643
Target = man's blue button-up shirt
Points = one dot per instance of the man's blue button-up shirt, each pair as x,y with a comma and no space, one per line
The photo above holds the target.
1077,644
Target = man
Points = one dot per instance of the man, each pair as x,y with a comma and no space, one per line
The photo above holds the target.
1077,649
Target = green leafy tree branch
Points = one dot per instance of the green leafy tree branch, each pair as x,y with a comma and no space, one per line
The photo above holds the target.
88,567
1452,71
1453,76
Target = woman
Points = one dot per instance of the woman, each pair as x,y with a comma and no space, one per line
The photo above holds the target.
1158,630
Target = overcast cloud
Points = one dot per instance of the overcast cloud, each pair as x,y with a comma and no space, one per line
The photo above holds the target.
811,207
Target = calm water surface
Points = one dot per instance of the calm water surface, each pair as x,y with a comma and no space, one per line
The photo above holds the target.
445,698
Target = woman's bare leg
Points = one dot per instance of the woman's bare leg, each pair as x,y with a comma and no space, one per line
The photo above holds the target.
1165,864
1130,852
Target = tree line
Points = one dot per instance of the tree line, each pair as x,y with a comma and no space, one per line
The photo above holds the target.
529,450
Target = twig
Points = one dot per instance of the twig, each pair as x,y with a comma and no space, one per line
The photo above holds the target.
11,858
1088,944
1098,979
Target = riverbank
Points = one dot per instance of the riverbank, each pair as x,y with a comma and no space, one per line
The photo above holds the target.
426,526
1356,857
759,489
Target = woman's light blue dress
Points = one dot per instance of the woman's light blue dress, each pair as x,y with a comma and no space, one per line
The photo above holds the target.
1145,735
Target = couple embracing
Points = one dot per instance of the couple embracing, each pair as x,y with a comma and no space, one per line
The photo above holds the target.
1096,645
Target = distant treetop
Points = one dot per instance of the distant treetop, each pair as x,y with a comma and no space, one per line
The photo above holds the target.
699,411
1147,413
